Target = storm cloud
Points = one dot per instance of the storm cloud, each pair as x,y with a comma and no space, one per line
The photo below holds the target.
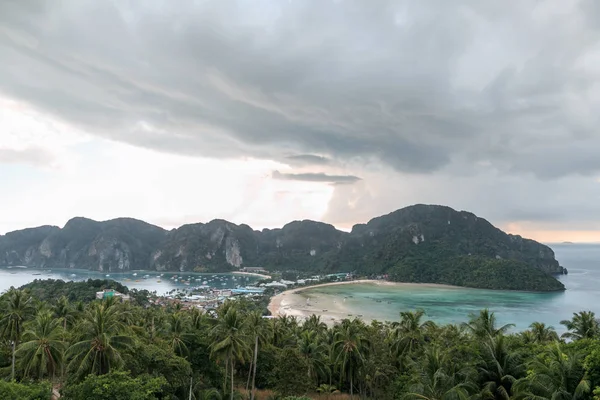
456,89
411,85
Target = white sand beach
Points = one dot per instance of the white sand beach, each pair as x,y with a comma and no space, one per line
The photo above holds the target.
295,302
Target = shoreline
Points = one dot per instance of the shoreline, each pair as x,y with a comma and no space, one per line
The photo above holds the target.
130,272
252,274
288,301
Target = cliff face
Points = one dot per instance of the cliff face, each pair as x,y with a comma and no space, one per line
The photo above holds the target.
117,245
374,247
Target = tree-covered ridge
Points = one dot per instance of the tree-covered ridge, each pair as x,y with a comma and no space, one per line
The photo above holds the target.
434,235
476,272
107,349
82,291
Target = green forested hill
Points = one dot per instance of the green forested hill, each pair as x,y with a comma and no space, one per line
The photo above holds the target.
441,244
475,272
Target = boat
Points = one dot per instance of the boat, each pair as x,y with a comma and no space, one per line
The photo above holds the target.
135,274
107,275
158,281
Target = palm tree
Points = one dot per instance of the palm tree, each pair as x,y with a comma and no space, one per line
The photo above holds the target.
229,342
289,323
408,334
327,389
102,339
63,310
557,376
440,379
314,323
314,350
500,368
542,333
151,322
583,325
177,333
350,347
17,307
200,320
281,332
209,394
484,325
257,329
41,352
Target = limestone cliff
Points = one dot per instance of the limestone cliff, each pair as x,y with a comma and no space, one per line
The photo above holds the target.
421,232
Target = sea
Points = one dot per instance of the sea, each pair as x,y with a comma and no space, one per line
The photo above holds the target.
384,303
160,282
455,305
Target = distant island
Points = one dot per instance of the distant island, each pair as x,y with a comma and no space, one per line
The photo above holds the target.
419,243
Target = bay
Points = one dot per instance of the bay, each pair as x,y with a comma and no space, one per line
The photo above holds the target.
17,277
454,305
442,305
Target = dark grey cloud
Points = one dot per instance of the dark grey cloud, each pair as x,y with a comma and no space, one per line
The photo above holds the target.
316,177
417,86
307,159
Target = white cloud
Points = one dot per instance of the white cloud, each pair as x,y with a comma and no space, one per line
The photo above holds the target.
102,179
30,137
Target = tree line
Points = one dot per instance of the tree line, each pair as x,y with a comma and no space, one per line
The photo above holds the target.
134,350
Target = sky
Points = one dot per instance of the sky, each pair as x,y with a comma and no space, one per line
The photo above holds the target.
263,112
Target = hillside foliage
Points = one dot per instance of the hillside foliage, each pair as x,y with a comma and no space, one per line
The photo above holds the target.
107,349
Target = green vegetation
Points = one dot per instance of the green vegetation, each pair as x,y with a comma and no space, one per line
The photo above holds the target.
420,243
475,272
115,386
25,391
84,291
108,349
50,289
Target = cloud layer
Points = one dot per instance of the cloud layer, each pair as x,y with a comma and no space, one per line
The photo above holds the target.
462,91
414,86
316,177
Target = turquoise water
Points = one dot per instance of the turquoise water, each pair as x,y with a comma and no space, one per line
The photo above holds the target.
20,276
442,305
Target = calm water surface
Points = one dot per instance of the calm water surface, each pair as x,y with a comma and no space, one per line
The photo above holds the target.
454,305
441,305
161,284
